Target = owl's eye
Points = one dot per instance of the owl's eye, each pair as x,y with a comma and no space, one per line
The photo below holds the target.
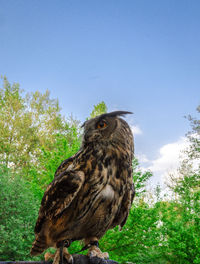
101,124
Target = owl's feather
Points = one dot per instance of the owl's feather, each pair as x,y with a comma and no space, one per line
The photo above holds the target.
58,196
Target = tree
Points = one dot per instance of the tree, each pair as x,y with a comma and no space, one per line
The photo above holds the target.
26,123
64,146
99,109
140,178
31,126
11,120
180,217
19,209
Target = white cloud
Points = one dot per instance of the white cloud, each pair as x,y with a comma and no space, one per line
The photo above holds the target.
142,158
168,161
136,130
169,156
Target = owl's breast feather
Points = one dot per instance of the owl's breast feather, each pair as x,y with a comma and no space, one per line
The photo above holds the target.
107,192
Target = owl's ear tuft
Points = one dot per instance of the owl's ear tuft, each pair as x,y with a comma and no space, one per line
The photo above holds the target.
84,123
111,114
116,113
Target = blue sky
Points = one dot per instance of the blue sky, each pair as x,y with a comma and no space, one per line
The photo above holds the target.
140,56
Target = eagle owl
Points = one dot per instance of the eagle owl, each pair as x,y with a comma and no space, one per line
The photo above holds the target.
92,191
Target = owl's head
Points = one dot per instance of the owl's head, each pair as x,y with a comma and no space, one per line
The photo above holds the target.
107,128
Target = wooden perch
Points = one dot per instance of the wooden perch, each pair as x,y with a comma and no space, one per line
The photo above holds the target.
78,259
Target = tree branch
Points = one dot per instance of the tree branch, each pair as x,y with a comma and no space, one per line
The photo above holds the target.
78,259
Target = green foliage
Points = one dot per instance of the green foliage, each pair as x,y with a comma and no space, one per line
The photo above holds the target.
19,210
180,218
27,124
180,232
34,140
99,109
140,179
64,146
34,137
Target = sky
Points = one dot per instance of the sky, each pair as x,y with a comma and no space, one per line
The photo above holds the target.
135,55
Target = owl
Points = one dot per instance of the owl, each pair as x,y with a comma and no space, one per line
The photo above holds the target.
92,191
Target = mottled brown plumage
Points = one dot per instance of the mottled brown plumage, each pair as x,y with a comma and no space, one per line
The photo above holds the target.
92,191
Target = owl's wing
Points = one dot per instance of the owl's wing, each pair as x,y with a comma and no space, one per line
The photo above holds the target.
65,165
123,211
59,195
126,204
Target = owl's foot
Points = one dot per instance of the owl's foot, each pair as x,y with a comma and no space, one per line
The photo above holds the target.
56,256
94,251
48,256
67,256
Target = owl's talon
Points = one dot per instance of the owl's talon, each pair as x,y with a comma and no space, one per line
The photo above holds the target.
48,256
67,256
96,252
71,260
56,259
91,254
56,256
